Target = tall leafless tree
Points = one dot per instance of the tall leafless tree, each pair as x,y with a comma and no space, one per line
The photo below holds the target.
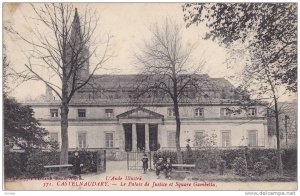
167,71
65,53
259,79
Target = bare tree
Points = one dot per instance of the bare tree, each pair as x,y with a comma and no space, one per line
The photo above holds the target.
259,78
167,72
62,47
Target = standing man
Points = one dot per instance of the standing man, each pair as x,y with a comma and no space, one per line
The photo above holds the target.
145,163
77,165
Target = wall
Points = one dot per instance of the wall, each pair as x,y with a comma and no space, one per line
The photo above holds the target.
96,124
238,131
186,112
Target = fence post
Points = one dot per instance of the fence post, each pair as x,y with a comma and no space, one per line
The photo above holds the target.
150,161
104,163
127,160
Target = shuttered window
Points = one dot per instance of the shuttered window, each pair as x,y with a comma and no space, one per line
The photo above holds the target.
171,139
82,140
252,138
109,140
226,138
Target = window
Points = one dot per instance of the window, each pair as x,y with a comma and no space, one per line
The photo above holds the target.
226,139
109,113
109,140
224,112
199,138
171,112
251,112
252,138
81,113
199,112
54,113
53,137
171,139
82,140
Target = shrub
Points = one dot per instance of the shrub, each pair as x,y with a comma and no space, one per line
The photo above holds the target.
259,168
221,166
206,159
14,164
266,161
253,155
88,159
274,162
289,159
31,164
239,166
164,154
35,164
229,155
202,165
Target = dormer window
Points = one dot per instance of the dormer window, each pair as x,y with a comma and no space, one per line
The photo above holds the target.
171,112
54,113
225,112
81,113
252,112
109,113
199,112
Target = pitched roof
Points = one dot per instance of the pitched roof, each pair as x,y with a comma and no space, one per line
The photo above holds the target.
129,81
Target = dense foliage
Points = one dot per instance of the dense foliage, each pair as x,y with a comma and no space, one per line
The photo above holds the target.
206,160
267,30
31,164
239,166
260,168
21,129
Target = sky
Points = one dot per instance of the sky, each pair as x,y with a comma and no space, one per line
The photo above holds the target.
129,24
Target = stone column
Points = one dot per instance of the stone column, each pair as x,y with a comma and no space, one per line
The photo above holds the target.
147,137
134,139
121,138
159,135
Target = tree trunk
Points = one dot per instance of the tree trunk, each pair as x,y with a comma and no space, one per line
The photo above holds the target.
64,125
279,160
64,134
177,138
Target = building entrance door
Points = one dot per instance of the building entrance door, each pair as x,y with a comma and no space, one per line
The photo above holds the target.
140,136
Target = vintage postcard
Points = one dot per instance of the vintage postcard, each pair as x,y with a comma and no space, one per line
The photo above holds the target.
150,96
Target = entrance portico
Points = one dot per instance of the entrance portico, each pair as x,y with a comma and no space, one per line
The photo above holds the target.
141,129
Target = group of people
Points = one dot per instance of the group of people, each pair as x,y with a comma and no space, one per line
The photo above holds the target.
160,166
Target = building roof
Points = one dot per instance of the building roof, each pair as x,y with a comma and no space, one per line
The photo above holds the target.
121,83
129,81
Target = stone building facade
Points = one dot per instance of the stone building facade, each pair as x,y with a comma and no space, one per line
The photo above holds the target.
111,121
102,115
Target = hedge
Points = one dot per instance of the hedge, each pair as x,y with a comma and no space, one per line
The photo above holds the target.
31,164
254,155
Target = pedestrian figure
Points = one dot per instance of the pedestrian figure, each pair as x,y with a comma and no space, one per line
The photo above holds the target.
168,168
77,165
145,162
159,166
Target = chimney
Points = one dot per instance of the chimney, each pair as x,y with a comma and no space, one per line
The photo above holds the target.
48,94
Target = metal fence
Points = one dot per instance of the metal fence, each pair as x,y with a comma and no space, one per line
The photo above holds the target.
134,160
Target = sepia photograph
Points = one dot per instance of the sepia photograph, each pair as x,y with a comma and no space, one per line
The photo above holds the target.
150,96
